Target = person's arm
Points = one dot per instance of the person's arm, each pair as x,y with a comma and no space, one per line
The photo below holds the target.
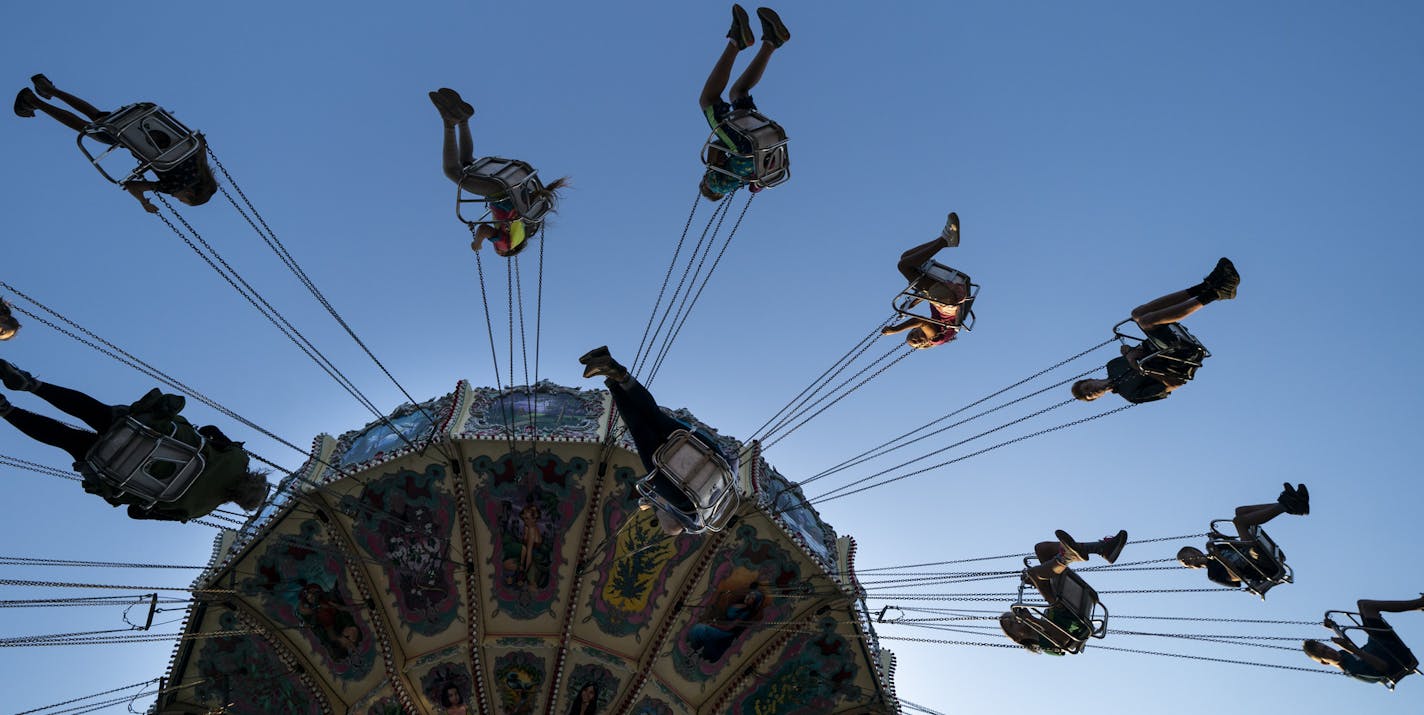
902,327
136,512
136,189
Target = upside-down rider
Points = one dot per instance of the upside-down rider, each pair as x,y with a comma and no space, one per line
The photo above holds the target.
1125,376
1380,658
774,34
1054,558
932,331
1222,564
191,181
511,232
649,426
225,477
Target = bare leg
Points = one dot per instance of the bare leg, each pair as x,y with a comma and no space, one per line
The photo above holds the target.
1170,308
89,110
752,74
1255,515
1370,608
720,76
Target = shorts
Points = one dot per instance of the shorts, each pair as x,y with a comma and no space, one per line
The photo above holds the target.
715,113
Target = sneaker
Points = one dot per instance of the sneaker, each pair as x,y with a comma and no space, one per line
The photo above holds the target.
17,379
1111,547
599,362
772,29
43,87
950,234
25,103
1071,548
741,32
1223,279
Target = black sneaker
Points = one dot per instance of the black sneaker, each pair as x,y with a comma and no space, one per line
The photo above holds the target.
461,109
773,30
17,379
25,103
1223,279
1112,546
741,32
1070,547
950,234
43,87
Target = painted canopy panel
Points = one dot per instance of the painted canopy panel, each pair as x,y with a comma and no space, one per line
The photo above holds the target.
484,552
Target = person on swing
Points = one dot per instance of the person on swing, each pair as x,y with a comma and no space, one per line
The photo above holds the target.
1221,565
191,181
225,477
1125,376
1054,558
510,233
740,170
1384,656
649,426
929,332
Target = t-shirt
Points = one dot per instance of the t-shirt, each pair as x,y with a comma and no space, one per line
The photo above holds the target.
1134,386
1064,619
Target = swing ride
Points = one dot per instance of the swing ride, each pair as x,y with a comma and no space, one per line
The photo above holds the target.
497,549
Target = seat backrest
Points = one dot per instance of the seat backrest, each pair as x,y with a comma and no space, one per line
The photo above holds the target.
765,141
494,178
153,135
150,467
701,473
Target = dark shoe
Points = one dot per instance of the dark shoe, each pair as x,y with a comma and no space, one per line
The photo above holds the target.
463,110
741,32
5,406
1223,279
17,379
1294,501
772,29
25,103
452,108
1070,547
598,362
43,87
1111,547
950,234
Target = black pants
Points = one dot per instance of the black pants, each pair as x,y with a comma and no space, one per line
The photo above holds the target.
99,416
650,428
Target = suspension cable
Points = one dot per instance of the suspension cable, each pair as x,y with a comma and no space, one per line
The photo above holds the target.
273,242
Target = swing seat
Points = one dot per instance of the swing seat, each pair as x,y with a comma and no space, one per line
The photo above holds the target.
492,179
143,463
701,475
1073,595
1170,350
1401,658
1267,567
946,286
153,136
766,142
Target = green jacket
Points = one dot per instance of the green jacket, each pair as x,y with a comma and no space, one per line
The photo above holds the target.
225,462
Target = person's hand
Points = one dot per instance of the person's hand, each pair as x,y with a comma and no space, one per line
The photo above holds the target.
148,206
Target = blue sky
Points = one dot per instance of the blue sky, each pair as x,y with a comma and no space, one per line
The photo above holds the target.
1098,154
